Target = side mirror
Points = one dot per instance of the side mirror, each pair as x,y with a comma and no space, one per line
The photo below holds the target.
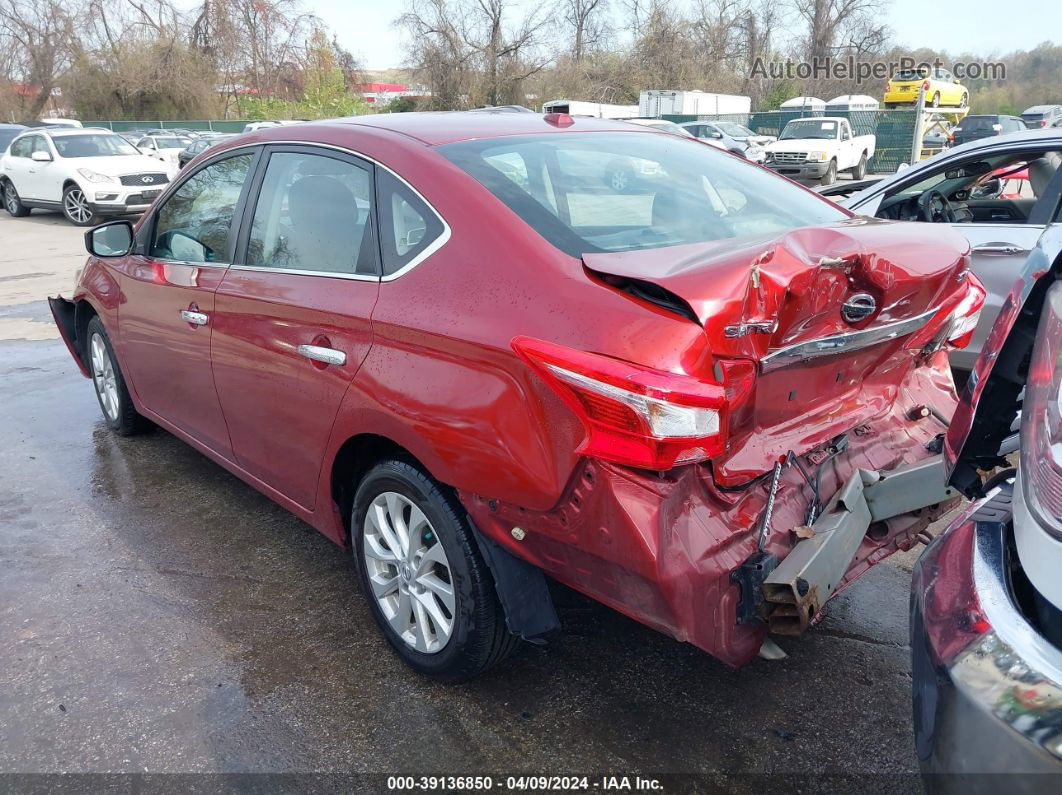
989,190
41,157
716,134
112,239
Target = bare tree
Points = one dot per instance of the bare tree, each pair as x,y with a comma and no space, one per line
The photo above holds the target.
585,21
834,26
45,36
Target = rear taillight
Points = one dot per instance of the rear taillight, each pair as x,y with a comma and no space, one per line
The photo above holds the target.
1041,420
965,316
634,415
925,86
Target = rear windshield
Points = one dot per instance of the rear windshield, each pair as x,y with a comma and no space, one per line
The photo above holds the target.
1033,116
93,145
978,122
810,128
599,192
911,74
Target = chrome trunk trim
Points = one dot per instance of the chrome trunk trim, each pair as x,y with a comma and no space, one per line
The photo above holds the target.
844,343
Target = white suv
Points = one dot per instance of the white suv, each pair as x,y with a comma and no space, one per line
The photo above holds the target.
87,174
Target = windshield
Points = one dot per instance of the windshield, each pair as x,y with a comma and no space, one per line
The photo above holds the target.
599,192
734,130
172,143
810,128
978,122
93,145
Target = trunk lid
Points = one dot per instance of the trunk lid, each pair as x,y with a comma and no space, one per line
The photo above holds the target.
834,318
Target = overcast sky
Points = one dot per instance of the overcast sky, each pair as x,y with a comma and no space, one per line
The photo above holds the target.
364,26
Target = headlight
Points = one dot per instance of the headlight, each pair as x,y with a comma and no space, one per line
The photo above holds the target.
95,176
817,156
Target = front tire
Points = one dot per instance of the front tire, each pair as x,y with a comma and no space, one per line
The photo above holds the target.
76,207
427,586
964,101
12,203
831,174
109,383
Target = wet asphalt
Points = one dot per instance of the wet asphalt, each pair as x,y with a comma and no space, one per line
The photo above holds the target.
158,615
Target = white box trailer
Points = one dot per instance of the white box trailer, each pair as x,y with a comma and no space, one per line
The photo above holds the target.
598,110
656,103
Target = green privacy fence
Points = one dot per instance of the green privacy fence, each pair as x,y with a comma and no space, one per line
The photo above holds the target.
894,130
230,126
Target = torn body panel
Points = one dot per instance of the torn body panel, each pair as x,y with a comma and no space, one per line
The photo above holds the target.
661,547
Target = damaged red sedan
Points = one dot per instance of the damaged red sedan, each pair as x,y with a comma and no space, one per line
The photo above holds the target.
460,346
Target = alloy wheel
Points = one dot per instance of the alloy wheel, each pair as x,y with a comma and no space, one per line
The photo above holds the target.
409,572
76,206
103,377
11,198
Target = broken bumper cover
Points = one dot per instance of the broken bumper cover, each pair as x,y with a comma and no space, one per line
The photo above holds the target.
986,687
661,548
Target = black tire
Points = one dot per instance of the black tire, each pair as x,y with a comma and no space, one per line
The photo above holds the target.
860,169
964,101
936,101
124,419
479,638
83,216
831,174
12,203
890,106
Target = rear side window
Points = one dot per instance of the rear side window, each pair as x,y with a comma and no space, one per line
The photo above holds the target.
193,225
23,146
409,228
313,214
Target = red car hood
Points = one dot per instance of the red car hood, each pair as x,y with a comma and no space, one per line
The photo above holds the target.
759,298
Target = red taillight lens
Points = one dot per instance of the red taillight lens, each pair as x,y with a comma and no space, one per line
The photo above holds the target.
634,415
965,316
1041,420
925,86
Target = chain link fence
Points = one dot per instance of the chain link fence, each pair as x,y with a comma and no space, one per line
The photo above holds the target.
229,126
893,130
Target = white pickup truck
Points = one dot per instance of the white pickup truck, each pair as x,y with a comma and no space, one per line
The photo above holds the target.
818,148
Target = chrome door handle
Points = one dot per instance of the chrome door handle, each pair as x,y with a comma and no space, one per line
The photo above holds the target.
1000,249
195,318
325,355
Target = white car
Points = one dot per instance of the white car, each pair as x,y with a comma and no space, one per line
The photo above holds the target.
164,147
86,174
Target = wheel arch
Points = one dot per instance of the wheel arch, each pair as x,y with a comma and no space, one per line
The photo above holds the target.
521,586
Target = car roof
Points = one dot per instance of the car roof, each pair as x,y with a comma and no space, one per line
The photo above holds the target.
434,129
1040,109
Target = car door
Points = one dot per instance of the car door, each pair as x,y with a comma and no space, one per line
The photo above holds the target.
292,317
166,314
17,163
34,176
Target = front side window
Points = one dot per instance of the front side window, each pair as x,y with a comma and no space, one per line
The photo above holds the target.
408,227
594,192
313,214
92,145
193,225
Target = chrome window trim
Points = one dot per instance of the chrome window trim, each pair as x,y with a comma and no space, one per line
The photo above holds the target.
357,277
434,246
844,343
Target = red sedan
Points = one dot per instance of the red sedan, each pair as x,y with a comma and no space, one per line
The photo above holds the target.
706,397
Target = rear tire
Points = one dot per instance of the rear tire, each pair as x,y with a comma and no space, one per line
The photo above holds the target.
427,586
107,379
12,203
860,169
936,101
964,101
